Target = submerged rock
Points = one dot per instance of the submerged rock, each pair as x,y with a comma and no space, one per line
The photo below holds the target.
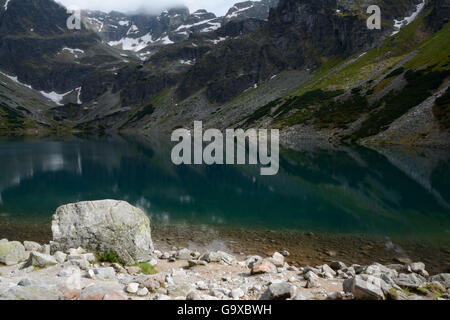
106,226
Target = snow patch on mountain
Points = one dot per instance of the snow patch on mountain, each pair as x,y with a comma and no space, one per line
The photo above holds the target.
6,4
133,44
399,24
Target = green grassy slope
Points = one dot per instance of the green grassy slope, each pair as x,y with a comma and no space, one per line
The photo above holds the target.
375,87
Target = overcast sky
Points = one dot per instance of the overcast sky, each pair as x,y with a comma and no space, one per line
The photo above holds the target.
219,7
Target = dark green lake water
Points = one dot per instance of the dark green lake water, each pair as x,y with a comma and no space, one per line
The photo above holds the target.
333,190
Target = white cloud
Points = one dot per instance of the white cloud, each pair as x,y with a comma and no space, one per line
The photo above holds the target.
219,7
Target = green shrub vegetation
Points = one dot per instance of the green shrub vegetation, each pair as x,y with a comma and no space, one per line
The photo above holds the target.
395,73
420,85
109,257
145,111
147,268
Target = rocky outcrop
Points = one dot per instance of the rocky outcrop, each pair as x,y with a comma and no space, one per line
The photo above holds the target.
298,34
11,252
107,227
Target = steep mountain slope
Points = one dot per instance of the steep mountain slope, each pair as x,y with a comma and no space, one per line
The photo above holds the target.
73,67
389,91
311,68
144,32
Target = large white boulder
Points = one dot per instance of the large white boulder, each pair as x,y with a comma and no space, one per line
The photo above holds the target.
106,226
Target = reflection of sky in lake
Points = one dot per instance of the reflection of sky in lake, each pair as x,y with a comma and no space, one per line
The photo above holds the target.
342,189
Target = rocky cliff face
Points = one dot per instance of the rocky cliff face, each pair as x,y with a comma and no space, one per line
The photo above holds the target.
132,71
299,34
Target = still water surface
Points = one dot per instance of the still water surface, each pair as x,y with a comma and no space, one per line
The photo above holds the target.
346,190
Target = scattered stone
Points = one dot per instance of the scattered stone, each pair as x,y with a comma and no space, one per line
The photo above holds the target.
310,275
278,291
11,253
133,288
263,266
60,257
181,290
194,296
337,265
76,252
40,260
142,292
237,293
24,282
184,254
377,270
292,268
408,281
45,249
158,254
90,274
90,257
364,288
119,268
161,297
133,270
326,269
193,263
335,296
251,260
443,278
68,271
398,267
218,256
312,283
104,226
285,253
395,294
331,253
31,246
165,256
403,260
417,267
105,273
151,284
31,293
113,296
79,262
72,286
303,296
308,268
169,280
277,259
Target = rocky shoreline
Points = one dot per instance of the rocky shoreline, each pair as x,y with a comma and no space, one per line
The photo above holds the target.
103,251
182,274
